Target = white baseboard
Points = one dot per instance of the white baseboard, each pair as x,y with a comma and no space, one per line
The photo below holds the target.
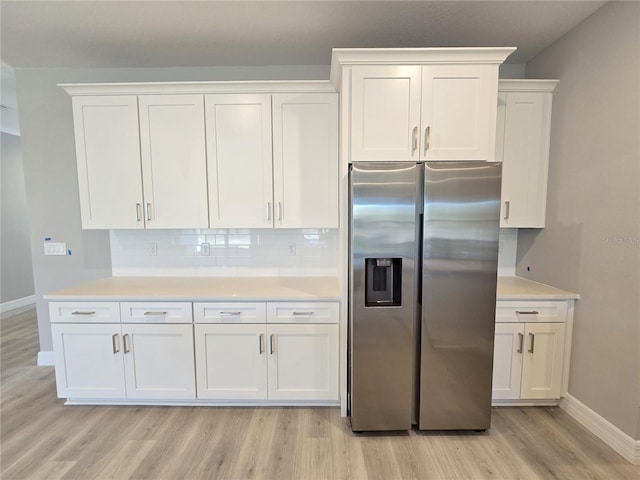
622,443
17,303
46,359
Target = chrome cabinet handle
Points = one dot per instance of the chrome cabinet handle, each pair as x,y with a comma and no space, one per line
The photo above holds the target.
533,339
230,314
148,211
279,211
507,208
127,347
530,312
414,140
427,139
86,314
155,314
521,343
138,212
272,344
115,343
261,343
268,211
302,314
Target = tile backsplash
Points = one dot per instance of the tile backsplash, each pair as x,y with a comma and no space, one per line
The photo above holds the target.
231,252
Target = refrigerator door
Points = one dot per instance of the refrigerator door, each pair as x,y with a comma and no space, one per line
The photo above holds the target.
383,294
460,257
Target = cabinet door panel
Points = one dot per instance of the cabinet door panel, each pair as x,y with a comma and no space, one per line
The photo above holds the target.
385,111
525,146
507,360
108,159
88,360
542,368
231,361
159,361
305,163
239,157
459,109
303,362
172,140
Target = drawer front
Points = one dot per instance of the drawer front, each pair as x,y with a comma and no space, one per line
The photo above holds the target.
156,312
531,311
302,312
84,312
232,312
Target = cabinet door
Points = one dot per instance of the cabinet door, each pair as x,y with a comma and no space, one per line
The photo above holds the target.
231,361
385,112
159,361
305,160
458,119
524,143
108,159
543,360
239,160
174,164
303,362
88,360
507,360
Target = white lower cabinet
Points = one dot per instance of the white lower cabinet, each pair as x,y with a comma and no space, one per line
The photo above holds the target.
529,354
292,360
121,361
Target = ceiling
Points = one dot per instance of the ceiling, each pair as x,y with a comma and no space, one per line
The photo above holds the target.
124,33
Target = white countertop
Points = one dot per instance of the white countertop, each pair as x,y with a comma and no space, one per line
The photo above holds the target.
260,289
518,288
203,289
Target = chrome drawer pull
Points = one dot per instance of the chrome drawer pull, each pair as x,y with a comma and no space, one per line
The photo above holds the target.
78,312
261,344
230,314
115,343
155,314
521,338
532,312
302,314
127,347
272,343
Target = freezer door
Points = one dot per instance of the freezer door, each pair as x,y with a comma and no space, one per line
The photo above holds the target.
460,257
382,294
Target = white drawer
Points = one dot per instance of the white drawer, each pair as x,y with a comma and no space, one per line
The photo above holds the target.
84,312
531,311
232,312
156,312
302,312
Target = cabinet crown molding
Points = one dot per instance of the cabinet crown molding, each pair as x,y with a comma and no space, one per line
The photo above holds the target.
172,88
342,57
526,85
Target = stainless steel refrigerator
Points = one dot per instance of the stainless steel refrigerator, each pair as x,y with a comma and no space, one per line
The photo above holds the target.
423,245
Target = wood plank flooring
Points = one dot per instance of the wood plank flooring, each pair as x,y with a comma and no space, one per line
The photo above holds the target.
43,439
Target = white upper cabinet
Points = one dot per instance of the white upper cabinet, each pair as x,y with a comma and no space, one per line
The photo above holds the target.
108,160
239,159
418,104
458,112
305,160
522,144
173,161
385,110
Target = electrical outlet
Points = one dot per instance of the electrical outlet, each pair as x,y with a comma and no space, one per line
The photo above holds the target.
204,249
291,248
51,248
153,249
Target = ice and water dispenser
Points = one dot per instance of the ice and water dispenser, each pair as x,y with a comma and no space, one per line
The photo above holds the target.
383,282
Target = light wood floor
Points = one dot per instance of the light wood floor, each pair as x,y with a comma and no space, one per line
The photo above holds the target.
43,439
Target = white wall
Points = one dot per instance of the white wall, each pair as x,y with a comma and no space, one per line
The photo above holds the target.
591,243
46,124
